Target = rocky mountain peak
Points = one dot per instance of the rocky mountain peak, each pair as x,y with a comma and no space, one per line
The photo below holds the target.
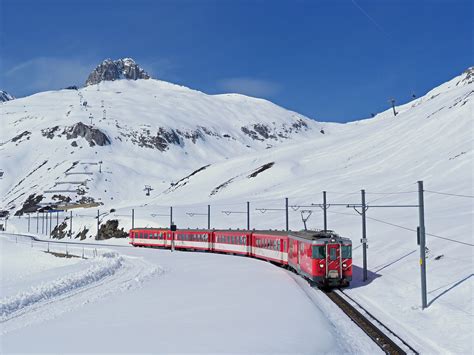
110,70
5,96
469,75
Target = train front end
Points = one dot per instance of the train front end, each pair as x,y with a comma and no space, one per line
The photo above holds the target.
334,261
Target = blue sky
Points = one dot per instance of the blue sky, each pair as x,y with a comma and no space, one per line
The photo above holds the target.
332,60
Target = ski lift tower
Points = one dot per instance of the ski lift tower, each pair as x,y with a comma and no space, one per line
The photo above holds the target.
148,188
392,101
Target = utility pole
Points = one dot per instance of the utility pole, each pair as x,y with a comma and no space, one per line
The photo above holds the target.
286,214
133,218
208,216
325,209
70,227
171,215
50,223
172,230
248,215
97,225
364,235
421,207
37,222
29,222
392,101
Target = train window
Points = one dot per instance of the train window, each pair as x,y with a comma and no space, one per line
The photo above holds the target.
319,252
346,251
141,235
333,253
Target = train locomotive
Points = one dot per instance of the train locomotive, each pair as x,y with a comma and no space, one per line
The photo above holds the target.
322,257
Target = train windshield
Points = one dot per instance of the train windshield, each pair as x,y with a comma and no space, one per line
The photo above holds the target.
319,252
346,251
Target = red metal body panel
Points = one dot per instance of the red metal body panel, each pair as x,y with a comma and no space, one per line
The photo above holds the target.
235,242
192,239
270,247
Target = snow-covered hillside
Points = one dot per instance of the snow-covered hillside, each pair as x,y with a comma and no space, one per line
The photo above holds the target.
144,132
195,149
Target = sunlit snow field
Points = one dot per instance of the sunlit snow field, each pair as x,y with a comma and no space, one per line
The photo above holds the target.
224,303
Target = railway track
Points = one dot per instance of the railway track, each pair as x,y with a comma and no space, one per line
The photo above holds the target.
373,327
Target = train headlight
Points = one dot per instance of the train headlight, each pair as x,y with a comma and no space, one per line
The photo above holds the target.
344,265
321,265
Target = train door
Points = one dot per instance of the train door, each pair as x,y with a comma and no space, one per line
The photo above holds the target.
212,237
333,261
299,253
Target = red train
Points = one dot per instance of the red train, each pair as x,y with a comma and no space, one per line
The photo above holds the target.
320,256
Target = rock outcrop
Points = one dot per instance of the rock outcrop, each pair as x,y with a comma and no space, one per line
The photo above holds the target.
5,96
110,70
92,135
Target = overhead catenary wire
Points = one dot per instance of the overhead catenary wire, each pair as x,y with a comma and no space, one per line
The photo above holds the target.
448,194
403,227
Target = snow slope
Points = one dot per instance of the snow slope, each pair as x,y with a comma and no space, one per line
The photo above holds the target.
200,303
431,139
146,132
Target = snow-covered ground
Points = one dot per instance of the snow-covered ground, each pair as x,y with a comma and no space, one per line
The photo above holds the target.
155,301
431,139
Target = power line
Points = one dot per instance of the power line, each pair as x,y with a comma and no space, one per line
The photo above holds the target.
449,194
366,14
391,193
403,227
414,230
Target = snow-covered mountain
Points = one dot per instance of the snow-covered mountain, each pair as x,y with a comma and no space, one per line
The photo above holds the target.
144,132
103,143
5,96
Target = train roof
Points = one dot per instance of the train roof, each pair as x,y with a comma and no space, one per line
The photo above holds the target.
310,235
